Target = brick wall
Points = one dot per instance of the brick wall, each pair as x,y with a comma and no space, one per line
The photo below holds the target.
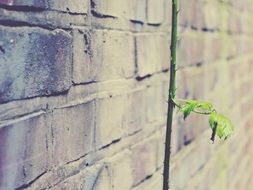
83,91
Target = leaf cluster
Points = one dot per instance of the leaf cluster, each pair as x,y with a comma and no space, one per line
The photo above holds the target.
220,124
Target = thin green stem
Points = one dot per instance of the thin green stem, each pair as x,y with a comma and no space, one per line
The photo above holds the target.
172,93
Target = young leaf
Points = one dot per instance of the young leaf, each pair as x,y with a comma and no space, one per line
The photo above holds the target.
195,106
223,126
188,107
205,106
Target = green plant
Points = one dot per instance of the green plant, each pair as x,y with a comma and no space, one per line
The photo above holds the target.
220,124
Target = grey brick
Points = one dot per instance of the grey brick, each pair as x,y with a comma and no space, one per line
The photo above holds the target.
75,6
101,55
24,151
33,62
73,132
30,3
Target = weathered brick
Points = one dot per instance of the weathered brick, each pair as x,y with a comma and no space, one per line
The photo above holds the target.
234,23
190,48
110,120
143,159
74,125
152,53
96,177
136,107
83,69
160,147
191,13
113,65
186,16
211,15
131,10
155,112
25,150
155,11
212,46
34,62
95,58
192,81
74,6
120,166
155,182
103,181
28,3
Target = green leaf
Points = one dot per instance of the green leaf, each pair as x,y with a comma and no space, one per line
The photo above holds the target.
188,107
221,124
213,120
205,106
195,106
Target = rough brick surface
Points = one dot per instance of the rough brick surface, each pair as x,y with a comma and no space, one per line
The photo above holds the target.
75,6
147,47
28,3
34,62
155,12
25,151
131,10
76,128
95,57
109,120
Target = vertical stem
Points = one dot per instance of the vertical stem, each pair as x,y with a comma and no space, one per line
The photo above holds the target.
172,91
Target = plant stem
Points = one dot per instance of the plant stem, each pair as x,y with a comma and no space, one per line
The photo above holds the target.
172,92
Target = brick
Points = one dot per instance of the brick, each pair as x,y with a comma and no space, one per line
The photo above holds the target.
177,139
29,3
114,65
25,150
74,125
152,53
98,61
192,80
191,13
109,176
155,182
186,16
213,47
138,10
34,62
160,147
130,10
190,49
234,23
136,109
231,47
189,163
120,166
211,15
95,177
74,6
83,69
156,105
103,182
110,120
155,11
143,159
